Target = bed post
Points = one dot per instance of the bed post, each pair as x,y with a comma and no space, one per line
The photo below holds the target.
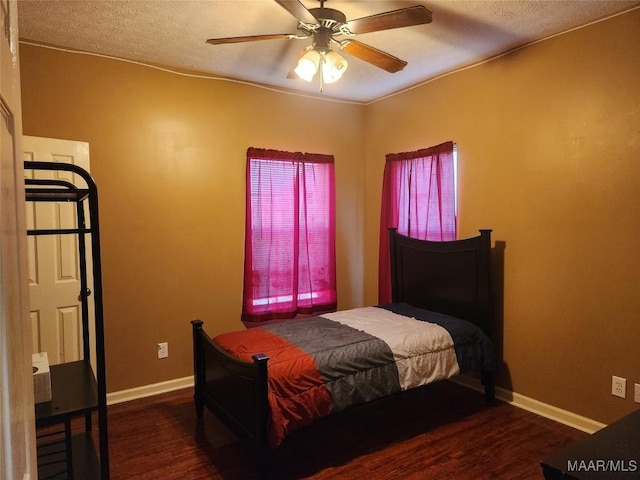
262,412
198,366
487,376
488,381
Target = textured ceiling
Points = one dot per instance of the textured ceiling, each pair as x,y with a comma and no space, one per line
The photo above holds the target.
173,34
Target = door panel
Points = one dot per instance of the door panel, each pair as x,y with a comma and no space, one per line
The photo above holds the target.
54,274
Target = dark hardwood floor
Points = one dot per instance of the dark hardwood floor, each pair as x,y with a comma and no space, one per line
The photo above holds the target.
443,431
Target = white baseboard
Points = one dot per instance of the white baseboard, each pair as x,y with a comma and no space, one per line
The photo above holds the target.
517,400
534,406
149,390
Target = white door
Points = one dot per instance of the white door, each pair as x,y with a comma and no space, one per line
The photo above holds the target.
54,271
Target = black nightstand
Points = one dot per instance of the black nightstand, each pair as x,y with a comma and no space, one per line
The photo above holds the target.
612,453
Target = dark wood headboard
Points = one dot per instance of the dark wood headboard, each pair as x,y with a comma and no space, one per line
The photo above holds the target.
447,277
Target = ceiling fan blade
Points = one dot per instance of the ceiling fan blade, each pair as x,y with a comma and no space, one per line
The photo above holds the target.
405,17
250,38
298,10
373,56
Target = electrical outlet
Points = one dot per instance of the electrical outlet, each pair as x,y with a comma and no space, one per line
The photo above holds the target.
619,387
636,395
163,350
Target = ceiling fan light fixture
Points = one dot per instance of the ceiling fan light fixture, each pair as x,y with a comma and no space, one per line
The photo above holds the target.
333,66
326,27
308,65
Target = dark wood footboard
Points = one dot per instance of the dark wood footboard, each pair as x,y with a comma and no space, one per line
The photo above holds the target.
235,391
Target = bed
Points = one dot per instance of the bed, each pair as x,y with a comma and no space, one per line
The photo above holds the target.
266,382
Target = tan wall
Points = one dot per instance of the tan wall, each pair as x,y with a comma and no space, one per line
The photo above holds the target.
549,157
168,153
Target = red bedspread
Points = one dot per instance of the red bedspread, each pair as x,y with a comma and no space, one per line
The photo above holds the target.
296,389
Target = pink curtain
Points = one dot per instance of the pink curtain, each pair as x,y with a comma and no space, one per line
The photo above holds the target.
418,198
289,235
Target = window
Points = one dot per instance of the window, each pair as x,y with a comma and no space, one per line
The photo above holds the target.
289,235
419,199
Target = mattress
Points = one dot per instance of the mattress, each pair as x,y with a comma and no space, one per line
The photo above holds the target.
325,364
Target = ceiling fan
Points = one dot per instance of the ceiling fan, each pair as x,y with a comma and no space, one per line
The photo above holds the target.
327,27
